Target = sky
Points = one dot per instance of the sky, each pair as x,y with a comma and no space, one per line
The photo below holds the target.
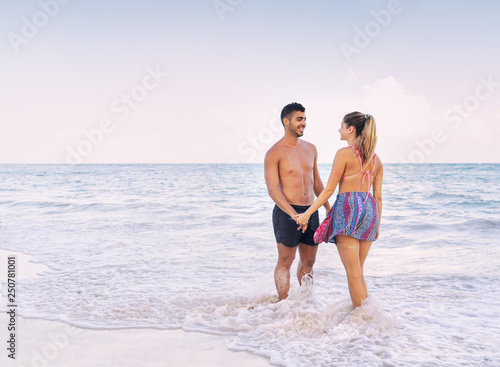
204,81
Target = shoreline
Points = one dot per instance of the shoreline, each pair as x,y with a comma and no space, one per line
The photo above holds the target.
41,342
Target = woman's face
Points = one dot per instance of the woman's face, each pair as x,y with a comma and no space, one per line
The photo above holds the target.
344,131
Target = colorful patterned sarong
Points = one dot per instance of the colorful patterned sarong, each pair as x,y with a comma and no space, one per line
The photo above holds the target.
353,214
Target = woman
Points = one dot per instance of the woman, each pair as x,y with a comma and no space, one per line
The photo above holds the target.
356,213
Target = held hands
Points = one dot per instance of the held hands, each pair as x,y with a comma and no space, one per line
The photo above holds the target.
302,220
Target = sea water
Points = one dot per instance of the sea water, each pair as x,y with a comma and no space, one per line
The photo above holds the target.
192,247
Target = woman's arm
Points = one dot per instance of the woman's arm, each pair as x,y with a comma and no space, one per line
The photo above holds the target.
338,167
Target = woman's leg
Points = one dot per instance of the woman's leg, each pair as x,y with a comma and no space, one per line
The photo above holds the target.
364,247
349,250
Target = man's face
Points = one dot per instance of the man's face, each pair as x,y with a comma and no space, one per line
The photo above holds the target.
297,123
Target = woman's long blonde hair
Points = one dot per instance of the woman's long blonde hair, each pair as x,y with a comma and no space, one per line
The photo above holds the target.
366,134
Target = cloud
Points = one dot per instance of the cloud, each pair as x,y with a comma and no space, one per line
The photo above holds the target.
401,118
410,126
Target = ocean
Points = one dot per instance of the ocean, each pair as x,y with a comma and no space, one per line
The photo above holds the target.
191,246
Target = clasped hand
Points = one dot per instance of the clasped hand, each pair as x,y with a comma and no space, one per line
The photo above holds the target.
302,220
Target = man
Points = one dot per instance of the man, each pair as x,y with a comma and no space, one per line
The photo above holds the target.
293,181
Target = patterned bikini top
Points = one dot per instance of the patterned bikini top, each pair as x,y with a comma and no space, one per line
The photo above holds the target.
366,174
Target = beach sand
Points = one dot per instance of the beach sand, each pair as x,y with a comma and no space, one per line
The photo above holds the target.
40,343
50,343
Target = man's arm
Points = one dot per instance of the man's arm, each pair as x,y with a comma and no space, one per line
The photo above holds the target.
338,167
271,174
318,186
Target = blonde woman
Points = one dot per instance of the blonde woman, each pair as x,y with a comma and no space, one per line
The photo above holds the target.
355,216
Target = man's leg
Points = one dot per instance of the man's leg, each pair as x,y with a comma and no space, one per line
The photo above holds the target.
286,255
307,259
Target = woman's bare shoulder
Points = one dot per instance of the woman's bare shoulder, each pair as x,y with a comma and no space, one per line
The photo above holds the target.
346,152
379,167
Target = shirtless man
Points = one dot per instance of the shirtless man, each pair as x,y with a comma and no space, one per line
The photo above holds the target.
293,181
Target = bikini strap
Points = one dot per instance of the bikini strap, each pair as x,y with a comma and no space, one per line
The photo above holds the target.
359,157
366,174
360,162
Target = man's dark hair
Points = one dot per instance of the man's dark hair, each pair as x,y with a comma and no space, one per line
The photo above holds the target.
289,109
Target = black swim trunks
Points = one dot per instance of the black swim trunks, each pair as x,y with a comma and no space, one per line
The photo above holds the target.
285,228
